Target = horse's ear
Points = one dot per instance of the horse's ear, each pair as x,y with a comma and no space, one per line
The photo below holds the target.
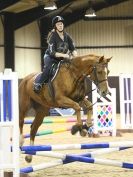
101,59
108,59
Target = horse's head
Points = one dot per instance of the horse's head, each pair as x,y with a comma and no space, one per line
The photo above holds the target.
99,75
96,67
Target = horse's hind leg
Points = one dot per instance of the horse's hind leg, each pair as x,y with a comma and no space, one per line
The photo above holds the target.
40,113
24,104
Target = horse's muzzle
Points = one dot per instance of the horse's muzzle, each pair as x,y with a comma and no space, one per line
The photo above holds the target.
103,93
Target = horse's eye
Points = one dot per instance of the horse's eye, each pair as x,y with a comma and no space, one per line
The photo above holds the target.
99,72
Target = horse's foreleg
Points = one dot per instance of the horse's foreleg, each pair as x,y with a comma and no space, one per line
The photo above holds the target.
87,105
88,126
34,127
67,102
79,124
79,121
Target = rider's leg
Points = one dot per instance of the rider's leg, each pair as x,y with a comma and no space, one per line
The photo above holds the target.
44,76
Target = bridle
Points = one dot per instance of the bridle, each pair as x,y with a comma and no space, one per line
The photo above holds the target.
96,81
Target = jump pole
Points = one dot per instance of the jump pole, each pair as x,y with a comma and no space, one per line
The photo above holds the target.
47,132
62,156
74,159
57,120
65,159
77,146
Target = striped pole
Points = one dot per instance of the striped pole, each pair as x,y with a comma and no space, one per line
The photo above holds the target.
77,146
41,166
62,156
55,120
65,159
47,132
98,161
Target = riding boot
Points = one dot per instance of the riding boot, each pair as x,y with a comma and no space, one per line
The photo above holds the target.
41,81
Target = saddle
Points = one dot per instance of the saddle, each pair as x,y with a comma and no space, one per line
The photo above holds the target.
52,74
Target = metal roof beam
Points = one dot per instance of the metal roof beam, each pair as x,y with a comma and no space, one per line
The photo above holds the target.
107,3
28,16
72,11
6,3
78,12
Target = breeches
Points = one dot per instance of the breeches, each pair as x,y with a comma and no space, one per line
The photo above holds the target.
48,62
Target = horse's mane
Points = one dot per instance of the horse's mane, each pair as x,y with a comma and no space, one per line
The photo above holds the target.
90,57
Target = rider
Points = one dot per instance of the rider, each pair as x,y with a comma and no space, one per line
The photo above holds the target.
60,46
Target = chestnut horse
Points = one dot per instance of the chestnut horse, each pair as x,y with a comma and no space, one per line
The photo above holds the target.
69,92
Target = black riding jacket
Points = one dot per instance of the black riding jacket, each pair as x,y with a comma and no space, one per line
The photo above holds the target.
56,44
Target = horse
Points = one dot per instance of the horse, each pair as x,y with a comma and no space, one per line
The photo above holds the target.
69,92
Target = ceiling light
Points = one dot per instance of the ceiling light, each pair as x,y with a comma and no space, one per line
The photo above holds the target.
90,12
50,5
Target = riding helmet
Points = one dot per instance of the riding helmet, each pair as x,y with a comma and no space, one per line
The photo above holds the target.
57,19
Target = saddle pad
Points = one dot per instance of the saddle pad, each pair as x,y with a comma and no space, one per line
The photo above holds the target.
52,75
54,72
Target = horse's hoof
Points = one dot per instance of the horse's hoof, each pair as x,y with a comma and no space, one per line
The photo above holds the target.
75,129
85,127
28,158
83,132
96,135
93,135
